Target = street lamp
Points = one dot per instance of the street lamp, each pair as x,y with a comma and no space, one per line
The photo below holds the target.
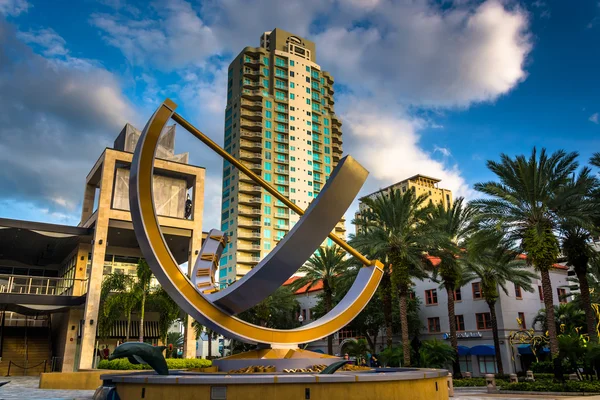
300,319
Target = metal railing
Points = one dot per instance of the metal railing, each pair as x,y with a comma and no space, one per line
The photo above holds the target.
10,363
41,285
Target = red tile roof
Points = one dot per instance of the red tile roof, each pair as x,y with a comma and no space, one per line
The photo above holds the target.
304,289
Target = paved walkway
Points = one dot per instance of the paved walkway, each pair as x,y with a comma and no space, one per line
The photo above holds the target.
26,387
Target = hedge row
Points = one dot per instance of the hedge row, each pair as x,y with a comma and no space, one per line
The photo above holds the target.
473,382
547,386
172,363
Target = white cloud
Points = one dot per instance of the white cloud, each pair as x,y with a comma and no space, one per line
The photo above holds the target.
387,144
595,118
14,7
445,151
176,38
60,113
52,43
425,56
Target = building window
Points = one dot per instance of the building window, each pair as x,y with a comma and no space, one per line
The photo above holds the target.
487,364
433,324
457,295
484,320
518,293
465,363
460,322
541,293
411,295
523,325
431,297
476,290
562,295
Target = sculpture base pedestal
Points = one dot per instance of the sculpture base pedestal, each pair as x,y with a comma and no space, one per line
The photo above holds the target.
280,359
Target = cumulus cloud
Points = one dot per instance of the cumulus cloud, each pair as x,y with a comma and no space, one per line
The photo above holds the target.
176,37
56,115
594,118
386,142
431,57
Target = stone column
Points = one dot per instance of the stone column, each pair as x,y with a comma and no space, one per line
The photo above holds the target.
71,328
189,334
88,335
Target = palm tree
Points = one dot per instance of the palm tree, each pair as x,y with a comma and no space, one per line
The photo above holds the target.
492,261
576,240
326,266
169,311
455,222
568,318
394,229
144,276
436,354
118,298
579,253
358,349
529,204
595,160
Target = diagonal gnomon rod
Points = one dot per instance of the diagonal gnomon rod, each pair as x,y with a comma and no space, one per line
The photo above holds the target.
264,184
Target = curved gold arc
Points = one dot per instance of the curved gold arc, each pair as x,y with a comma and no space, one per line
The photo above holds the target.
181,289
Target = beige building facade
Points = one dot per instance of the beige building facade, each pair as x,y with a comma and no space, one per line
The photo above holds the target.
62,268
421,184
280,122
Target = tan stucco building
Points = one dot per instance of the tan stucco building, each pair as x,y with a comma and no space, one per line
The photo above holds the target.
52,274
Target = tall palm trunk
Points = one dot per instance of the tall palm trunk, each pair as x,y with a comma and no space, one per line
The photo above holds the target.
387,308
584,288
492,306
142,312
550,317
210,334
551,324
404,325
128,325
328,306
452,322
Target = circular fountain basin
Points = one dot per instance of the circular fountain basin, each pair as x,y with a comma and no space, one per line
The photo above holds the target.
379,383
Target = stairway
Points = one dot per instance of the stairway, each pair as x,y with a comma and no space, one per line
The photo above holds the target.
25,349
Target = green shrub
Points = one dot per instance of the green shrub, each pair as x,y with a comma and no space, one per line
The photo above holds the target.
474,382
471,382
172,363
548,386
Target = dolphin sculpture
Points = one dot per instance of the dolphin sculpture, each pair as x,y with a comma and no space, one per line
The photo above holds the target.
142,353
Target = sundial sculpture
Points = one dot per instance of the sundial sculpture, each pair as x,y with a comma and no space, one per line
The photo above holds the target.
217,310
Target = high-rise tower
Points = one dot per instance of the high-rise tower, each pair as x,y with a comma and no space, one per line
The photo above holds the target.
280,122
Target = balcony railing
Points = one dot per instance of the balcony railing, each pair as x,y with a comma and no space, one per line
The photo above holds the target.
39,285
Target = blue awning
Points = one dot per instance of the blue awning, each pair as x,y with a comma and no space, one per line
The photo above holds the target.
483,350
463,351
525,349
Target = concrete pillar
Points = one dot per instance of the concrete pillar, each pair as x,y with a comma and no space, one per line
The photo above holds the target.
89,196
490,382
80,269
88,336
189,334
70,337
450,385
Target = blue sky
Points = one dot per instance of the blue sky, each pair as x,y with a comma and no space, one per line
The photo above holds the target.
433,87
